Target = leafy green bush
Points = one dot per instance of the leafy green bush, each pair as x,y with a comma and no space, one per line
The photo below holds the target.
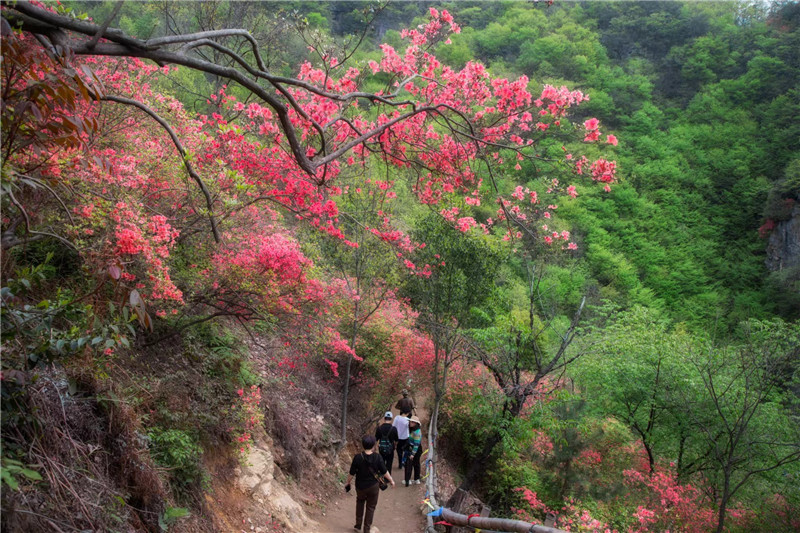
179,452
222,357
511,472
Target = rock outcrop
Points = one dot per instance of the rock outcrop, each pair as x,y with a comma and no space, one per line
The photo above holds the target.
258,480
783,248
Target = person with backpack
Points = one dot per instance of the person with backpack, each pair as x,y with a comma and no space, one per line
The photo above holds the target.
386,435
413,451
369,471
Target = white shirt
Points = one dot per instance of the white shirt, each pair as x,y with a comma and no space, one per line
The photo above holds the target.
401,423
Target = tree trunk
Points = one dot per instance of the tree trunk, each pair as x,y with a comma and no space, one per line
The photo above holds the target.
346,390
648,447
650,459
565,472
345,394
476,469
723,504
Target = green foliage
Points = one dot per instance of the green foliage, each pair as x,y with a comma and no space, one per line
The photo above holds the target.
460,51
316,20
11,469
784,194
637,375
464,281
747,417
142,25
170,516
783,291
179,452
56,259
688,220
704,100
509,473
41,332
219,352
700,404
195,395
373,340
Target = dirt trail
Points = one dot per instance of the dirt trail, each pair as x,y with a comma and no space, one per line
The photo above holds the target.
400,509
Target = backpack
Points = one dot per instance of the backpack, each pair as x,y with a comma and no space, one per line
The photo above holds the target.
385,446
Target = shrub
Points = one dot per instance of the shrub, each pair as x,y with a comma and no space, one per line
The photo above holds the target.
177,451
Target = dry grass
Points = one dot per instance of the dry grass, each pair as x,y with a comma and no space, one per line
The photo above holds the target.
96,474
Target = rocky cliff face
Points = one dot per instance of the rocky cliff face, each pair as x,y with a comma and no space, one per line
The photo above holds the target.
783,248
257,478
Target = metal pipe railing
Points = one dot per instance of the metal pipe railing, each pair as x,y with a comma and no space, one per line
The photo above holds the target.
495,524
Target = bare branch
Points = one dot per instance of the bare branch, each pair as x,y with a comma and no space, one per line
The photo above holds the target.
9,241
177,330
206,35
91,44
53,193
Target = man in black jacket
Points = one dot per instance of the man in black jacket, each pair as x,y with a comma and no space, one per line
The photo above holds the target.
367,467
405,404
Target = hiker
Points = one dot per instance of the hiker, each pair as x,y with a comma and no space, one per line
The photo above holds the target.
386,435
413,451
401,423
368,468
405,404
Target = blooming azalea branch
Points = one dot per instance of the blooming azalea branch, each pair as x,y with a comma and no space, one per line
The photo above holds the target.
181,151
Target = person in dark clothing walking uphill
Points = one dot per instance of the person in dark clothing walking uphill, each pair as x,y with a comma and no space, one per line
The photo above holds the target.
368,468
386,435
405,404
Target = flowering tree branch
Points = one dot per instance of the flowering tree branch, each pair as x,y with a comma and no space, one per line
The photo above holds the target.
54,27
189,169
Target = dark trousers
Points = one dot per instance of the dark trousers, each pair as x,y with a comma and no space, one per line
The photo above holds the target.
367,496
387,460
412,463
402,444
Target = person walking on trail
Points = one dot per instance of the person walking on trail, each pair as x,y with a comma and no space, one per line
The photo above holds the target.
368,468
386,435
401,423
405,404
413,451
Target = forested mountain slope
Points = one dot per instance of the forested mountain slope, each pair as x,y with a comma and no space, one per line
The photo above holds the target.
704,99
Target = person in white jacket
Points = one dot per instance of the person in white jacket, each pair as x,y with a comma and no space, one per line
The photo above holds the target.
401,423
